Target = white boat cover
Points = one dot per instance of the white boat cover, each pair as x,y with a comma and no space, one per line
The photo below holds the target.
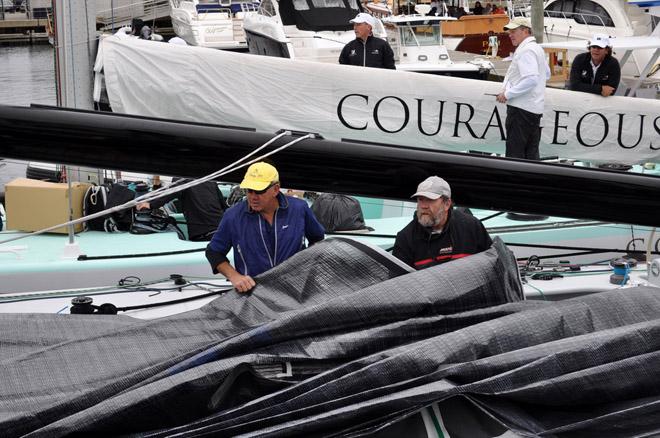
345,102
341,340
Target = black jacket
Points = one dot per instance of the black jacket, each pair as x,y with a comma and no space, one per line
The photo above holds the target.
203,206
609,73
463,235
375,52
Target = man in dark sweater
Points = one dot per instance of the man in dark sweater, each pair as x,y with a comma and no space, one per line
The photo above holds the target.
438,233
367,50
203,206
596,71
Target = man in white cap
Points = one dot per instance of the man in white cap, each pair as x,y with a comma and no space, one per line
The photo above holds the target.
524,91
438,233
596,71
264,230
366,50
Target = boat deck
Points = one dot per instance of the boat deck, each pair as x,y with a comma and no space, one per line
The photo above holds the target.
37,262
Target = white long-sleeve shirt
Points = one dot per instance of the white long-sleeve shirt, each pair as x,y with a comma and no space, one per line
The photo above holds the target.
524,84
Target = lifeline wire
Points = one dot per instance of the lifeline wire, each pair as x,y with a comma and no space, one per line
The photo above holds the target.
166,191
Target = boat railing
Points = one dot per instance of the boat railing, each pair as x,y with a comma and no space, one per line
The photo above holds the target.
522,8
579,17
249,7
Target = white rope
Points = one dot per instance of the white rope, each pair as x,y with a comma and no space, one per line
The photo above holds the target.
166,191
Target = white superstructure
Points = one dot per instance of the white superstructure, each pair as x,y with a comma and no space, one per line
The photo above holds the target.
216,24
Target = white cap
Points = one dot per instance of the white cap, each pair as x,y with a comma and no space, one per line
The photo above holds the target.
517,22
364,18
433,187
600,40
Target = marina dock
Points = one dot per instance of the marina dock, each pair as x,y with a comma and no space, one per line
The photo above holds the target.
17,28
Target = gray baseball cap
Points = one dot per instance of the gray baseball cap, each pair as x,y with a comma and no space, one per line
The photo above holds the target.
433,187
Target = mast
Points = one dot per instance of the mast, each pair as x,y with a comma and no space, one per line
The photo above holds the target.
74,28
537,20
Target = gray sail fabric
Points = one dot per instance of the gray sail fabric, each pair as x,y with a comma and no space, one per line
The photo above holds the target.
344,340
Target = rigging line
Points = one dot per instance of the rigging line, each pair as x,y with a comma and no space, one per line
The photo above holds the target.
164,191
492,216
181,300
84,257
228,169
149,196
568,254
575,248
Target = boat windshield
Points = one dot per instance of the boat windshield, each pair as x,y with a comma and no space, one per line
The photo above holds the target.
423,35
582,11
318,15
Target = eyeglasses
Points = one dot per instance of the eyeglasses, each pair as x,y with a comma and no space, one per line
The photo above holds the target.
260,192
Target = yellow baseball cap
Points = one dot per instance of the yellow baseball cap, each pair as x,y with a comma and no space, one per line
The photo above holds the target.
259,176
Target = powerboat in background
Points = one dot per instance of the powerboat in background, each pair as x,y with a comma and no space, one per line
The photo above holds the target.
570,20
289,29
478,34
216,24
310,31
418,45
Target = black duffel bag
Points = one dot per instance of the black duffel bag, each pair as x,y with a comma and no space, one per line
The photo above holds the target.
338,212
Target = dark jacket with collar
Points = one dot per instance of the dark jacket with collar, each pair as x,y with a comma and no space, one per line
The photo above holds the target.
462,236
245,231
202,205
375,52
609,73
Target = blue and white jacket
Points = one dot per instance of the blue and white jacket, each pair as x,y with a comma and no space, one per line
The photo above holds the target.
258,246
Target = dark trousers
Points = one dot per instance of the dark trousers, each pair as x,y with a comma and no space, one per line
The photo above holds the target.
523,133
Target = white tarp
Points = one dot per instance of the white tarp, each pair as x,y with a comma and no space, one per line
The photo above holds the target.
346,102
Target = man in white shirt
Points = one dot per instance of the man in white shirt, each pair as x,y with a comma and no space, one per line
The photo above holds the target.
524,91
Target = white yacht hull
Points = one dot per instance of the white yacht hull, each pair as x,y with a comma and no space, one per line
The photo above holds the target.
220,28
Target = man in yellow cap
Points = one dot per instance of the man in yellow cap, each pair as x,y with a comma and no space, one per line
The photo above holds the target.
264,230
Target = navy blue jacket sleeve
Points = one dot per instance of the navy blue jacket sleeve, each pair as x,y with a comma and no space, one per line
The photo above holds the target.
220,244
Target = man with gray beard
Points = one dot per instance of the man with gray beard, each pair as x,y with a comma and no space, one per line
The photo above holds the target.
438,233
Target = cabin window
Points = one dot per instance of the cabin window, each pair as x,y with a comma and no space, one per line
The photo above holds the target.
582,11
267,8
300,5
328,3
591,13
420,35
318,15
